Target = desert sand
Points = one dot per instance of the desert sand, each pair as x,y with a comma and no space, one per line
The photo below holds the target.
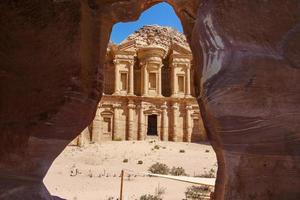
92,172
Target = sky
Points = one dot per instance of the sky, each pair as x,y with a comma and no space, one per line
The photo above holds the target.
161,14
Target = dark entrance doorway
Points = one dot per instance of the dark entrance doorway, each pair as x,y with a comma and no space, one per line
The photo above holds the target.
152,125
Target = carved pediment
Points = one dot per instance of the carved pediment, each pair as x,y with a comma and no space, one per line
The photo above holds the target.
106,113
156,36
153,111
128,45
181,50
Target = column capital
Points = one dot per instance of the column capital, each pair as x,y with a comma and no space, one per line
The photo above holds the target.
142,63
140,106
175,106
189,107
117,105
131,62
188,65
164,106
174,65
131,104
116,61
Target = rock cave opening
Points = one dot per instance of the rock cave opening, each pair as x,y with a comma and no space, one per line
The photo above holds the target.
246,56
148,96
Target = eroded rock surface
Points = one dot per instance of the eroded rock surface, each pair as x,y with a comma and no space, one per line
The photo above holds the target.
247,55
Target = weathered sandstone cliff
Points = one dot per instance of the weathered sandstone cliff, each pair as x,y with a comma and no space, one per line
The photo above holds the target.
247,58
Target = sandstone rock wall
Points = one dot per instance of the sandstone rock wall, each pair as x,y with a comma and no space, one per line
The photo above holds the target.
247,78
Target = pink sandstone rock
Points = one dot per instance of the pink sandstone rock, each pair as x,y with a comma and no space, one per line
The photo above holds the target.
247,56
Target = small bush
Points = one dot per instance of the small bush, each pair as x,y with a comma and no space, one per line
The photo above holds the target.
160,191
197,192
177,171
125,160
156,147
140,162
181,151
208,174
206,151
159,168
150,197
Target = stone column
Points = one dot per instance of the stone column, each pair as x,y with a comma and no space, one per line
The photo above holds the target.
83,137
146,81
131,78
115,121
188,123
131,107
165,122
188,81
141,126
159,82
117,77
175,108
97,130
174,80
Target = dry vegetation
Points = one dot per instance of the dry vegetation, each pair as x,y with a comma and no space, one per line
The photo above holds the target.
93,172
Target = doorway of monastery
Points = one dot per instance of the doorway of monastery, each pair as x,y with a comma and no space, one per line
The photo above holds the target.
152,125
148,121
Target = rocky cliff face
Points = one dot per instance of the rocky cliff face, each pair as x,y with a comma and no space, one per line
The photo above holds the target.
247,58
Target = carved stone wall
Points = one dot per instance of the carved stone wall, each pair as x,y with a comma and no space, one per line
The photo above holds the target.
246,75
165,52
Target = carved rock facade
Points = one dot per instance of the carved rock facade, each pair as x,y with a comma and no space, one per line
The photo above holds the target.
148,91
246,58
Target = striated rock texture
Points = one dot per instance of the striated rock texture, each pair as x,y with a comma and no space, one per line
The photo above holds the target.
247,58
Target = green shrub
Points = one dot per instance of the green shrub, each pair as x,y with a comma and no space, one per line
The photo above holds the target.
177,171
197,192
125,160
150,197
140,162
159,192
156,147
208,174
181,151
159,168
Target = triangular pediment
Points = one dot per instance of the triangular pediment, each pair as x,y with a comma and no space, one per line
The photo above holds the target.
127,46
180,50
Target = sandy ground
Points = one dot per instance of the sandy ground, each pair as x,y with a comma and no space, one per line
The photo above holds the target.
99,167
